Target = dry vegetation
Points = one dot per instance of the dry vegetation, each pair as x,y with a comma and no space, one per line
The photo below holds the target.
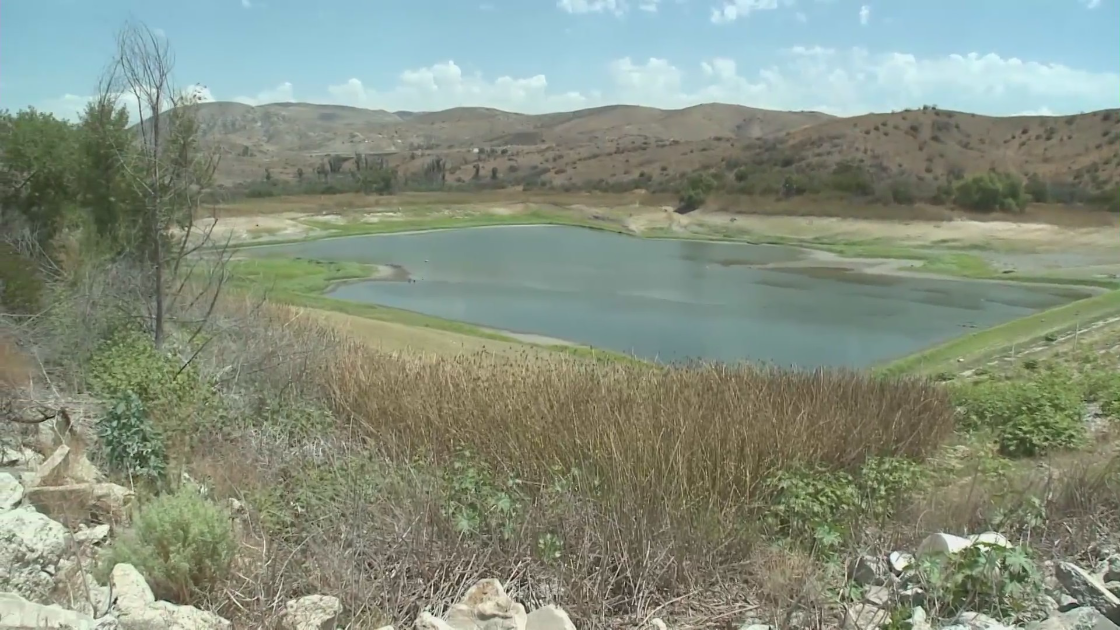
625,148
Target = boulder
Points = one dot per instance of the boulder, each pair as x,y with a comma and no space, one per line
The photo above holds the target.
1088,590
17,613
549,618
978,621
11,492
864,617
867,570
83,503
31,546
313,612
487,607
136,607
1084,618
950,544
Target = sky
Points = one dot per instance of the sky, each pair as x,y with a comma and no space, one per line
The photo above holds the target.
844,57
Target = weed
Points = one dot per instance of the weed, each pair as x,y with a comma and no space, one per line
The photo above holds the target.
182,543
1003,582
130,441
1028,417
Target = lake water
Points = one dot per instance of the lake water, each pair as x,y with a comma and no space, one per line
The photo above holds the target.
672,300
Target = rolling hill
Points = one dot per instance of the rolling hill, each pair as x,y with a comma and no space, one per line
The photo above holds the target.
644,145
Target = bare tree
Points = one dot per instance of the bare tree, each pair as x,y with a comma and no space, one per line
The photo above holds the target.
169,170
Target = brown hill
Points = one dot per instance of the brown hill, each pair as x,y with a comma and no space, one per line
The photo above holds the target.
624,145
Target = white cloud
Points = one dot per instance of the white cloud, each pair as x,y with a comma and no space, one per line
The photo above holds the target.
1091,4
801,17
617,7
844,82
864,15
443,85
283,93
486,6
246,4
732,10
650,6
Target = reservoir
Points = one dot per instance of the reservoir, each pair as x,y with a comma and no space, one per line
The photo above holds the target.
673,299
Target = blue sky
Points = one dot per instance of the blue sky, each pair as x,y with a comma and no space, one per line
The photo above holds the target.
842,56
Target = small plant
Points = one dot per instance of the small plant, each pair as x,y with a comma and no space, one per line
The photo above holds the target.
550,547
476,503
131,443
1051,337
1002,582
182,543
1027,417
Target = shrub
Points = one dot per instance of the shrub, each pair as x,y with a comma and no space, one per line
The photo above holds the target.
21,287
696,190
998,581
1028,417
990,192
129,362
130,441
815,505
182,543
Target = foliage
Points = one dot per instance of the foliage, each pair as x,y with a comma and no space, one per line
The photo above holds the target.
37,172
696,190
1003,582
129,362
1029,416
812,503
479,503
991,191
21,284
130,441
182,543
105,148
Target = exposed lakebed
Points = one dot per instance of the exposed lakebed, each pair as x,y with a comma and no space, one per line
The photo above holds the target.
675,299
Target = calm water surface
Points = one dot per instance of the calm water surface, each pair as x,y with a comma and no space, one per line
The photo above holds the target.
672,300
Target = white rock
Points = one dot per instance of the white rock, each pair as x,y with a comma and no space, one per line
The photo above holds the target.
136,608
16,613
549,618
91,535
979,621
658,624
487,607
942,543
313,612
900,561
1088,590
31,546
11,492
993,539
428,621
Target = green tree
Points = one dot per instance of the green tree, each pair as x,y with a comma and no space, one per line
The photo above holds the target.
991,191
37,167
696,190
105,147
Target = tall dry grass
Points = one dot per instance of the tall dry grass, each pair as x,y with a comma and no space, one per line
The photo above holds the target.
659,438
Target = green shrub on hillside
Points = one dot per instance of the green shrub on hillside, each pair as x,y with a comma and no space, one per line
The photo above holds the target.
990,192
182,543
130,441
130,362
812,503
1028,417
997,581
696,190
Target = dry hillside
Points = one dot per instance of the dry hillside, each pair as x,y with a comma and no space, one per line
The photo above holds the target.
623,143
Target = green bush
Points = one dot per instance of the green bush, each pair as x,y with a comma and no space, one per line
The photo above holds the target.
991,191
997,581
1028,417
131,442
129,362
21,287
182,543
814,504
696,190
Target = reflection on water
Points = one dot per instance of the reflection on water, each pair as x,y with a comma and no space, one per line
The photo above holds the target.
672,300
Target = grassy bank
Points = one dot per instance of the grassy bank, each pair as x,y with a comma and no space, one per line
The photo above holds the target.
979,346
